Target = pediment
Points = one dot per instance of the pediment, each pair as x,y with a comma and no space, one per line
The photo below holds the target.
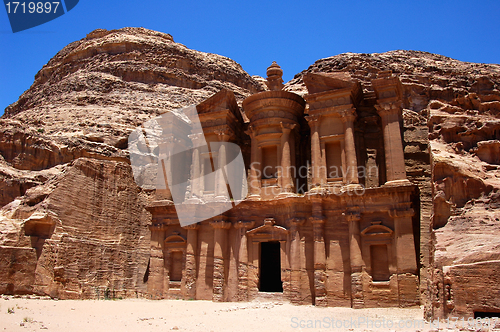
222,100
175,240
268,232
321,82
377,230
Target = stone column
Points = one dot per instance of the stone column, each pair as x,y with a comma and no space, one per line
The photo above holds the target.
190,275
404,242
242,227
156,277
315,150
393,146
408,294
348,118
318,222
254,185
286,164
166,150
357,298
295,260
219,281
220,181
196,187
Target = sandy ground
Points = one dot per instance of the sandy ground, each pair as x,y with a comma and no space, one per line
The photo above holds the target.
21,314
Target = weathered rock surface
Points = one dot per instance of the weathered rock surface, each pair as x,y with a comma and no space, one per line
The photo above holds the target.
65,166
78,227
451,132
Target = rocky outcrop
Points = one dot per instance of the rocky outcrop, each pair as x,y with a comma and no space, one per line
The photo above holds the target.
451,129
73,223
63,145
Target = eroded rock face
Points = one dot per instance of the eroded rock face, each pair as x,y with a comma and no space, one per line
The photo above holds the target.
451,117
63,148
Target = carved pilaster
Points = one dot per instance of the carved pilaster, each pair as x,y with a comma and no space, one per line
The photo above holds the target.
220,234
286,177
393,145
318,223
348,117
357,299
243,226
255,166
315,150
166,150
190,271
295,247
156,274
404,240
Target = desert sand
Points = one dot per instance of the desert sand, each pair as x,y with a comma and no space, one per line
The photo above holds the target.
28,314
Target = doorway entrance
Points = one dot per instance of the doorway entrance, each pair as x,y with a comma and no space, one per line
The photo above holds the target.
270,267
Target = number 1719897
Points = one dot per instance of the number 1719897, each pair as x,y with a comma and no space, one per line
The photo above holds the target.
32,7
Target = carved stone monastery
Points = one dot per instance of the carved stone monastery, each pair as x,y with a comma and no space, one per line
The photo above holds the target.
342,233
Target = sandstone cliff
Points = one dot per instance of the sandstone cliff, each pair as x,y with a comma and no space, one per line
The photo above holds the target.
66,180
73,223
451,136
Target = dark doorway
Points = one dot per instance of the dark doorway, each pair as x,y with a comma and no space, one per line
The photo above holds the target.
270,267
175,266
380,263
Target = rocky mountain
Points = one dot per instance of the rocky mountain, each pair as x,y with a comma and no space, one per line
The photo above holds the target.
64,161
73,223
452,145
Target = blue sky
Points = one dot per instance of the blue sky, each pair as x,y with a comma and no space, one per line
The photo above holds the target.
255,33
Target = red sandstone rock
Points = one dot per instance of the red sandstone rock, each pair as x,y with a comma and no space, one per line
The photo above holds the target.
67,183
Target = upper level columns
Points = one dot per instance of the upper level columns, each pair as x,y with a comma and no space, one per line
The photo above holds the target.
393,145
286,158
221,188
190,267
196,169
274,115
317,179
389,94
254,183
219,281
351,171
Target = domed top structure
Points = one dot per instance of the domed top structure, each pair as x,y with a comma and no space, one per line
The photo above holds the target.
274,77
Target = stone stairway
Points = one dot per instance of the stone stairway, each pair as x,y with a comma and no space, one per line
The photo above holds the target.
270,297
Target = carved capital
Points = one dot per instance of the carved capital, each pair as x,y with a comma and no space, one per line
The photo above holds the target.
220,224
296,222
244,224
224,134
169,140
317,220
196,136
385,109
348,115
352,215
287,127
313,121
251,131
192,226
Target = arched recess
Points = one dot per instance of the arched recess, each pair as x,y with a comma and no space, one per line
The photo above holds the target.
378,251
174,254
267,233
